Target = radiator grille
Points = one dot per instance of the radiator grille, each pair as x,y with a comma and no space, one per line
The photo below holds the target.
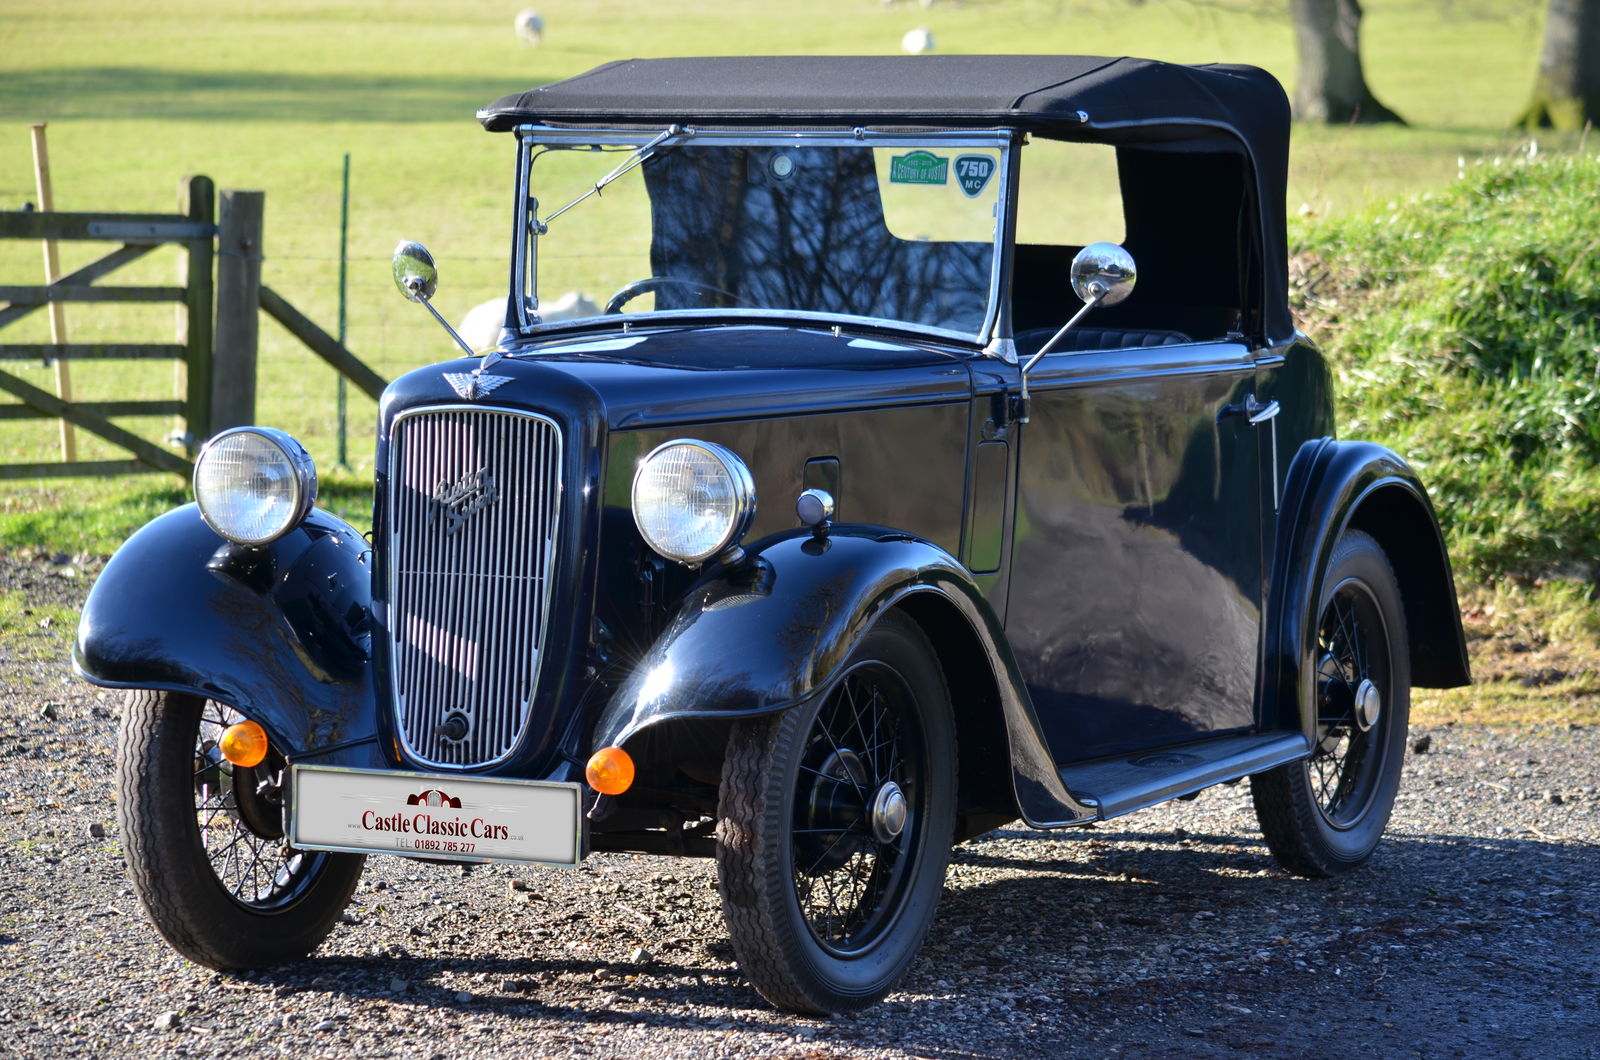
474,506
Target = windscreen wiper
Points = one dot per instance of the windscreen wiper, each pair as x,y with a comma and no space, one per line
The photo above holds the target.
639,157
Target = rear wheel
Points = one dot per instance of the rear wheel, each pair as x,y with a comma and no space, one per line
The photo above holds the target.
1325,815
205,846
835,827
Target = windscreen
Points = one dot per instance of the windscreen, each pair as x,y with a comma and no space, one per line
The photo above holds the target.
902,233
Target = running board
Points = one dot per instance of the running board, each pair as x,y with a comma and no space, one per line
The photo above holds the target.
1115,786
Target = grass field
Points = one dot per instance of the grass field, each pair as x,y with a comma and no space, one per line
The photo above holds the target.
271,96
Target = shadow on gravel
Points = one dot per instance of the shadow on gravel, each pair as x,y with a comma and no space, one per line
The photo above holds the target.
1204,937
522,987
1180,854
1135,848
1169,943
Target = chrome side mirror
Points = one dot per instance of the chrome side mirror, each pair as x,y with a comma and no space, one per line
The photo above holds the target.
414,271
418,278
1103,274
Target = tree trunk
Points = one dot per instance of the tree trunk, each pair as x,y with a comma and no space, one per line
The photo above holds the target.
1332,87
1567,92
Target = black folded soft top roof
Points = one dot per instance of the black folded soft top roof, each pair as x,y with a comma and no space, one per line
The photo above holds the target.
1040,93
1120,101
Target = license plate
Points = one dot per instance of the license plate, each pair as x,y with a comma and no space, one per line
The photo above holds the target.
466,819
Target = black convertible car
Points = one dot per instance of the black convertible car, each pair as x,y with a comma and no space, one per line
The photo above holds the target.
876,508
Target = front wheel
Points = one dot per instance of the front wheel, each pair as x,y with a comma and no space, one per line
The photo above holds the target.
1325,814
204,841
835,825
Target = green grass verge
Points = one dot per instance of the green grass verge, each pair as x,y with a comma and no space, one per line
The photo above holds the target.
1535,660
1464,326
72,516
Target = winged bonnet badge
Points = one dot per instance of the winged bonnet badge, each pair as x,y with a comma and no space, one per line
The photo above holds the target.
473,385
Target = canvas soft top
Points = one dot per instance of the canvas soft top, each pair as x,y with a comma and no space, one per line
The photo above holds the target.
1039,93
1123,101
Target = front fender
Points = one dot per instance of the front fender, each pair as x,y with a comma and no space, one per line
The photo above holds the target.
1333,486
278,632
775,631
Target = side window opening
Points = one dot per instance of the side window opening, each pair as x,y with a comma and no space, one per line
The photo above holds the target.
1068,194
1184,209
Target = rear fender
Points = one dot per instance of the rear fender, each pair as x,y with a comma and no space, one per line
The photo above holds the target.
1333,486
768,635
278,632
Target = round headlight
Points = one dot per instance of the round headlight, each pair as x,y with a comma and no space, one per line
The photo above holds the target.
254,484
692,500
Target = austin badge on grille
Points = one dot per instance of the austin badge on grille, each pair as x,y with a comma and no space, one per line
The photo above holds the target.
454,502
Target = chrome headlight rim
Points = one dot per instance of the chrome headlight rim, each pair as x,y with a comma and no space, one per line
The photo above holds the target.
302,474
741,485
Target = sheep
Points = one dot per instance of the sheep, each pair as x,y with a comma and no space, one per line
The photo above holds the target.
530,27
919,40
574,305
480,328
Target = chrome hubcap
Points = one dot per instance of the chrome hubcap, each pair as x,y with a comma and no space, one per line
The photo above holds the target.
888,813
1369,705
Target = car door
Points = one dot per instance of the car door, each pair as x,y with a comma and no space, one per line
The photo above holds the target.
1135,589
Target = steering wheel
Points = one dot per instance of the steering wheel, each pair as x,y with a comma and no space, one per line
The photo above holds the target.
628,292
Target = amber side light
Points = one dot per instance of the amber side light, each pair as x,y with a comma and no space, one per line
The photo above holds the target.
610,771
244,744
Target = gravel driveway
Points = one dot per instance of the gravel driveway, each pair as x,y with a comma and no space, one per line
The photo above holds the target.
1474,932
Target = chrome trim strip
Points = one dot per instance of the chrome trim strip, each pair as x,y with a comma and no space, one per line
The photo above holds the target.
524,253
1065,377
1003,206
469,610
1002,349
994,137
910,333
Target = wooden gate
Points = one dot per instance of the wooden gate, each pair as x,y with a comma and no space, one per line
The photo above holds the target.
194,229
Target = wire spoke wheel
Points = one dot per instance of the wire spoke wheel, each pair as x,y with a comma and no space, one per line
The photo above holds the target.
835,823
1326,814
1353,665
204,840
239,828
854,817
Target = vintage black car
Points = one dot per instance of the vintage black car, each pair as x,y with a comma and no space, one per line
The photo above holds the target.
868,514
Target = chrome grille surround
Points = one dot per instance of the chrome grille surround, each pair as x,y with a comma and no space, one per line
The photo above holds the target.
474,506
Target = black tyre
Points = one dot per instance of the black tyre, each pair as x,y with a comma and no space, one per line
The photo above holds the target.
835,825
1326,814
206,850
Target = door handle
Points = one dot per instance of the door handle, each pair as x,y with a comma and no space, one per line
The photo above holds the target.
1252,410
1258,413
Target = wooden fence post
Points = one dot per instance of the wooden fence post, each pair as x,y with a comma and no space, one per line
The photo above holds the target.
52,273
233,380
197,199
